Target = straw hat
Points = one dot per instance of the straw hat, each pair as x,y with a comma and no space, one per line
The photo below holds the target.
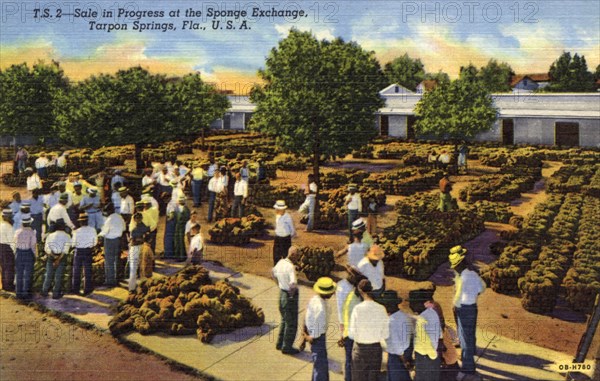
324,286
457,255
26,219
280,205
352,187
359,224
122,189
7,212
82,217
64,196
92,190
375,253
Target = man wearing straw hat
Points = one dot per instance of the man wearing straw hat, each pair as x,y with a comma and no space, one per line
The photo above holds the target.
7,251
316,327
84,240
284,273
112,231
284,231
26,252
369,327
428,332
401,329
468,285
354,205
59,211
371,266
127,205
91,205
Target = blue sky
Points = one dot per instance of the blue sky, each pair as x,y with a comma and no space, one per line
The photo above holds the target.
528,35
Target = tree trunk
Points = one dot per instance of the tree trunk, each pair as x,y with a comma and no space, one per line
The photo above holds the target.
202,137
139,164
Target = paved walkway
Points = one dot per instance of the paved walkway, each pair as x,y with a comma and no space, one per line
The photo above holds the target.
249,354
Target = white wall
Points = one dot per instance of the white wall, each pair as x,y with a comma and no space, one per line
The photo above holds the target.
397,126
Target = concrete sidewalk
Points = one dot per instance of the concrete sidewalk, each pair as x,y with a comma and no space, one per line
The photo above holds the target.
250,354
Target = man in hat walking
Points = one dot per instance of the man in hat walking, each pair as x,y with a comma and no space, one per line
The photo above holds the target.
112,233
468,286
357,249
284,273
369,327
21,158
240,194
353,203
428,332
316,327
84,240
401,329
91,205
26,252
57,249
284,231
371,266
7,252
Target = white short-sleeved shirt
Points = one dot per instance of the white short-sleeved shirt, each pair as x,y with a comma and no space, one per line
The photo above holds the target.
285,273
373,273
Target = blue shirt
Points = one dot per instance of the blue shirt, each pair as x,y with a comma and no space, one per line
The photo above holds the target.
37,206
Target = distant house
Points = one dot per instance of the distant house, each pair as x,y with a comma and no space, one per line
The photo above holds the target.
523,83
395,89
237,116
426,85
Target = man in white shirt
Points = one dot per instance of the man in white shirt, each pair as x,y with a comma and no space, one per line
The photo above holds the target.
57,249
41,164
468,286
371,266
428,332
34,180
353,203
61,163
127,205
112,232
215,186
84,240
91,205
149,178
59,211
315,327
36,208
284,231
284,273
7,252
196,247
398,343
240,193
369,327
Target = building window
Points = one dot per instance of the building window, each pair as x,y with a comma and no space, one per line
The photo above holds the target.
525,82
397,89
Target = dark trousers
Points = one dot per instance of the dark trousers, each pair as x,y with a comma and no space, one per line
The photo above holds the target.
352,216
24,260
152,239
54,276
127,219
36,225
7,264
366,361
319,358
348,345
197,191
288,308
466,321
396,370
212,196
281,247
83,258
112,252
427,369
43,173
237,209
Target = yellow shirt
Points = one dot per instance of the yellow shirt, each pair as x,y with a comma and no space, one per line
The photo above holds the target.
76,198
198,174
427,333
150,218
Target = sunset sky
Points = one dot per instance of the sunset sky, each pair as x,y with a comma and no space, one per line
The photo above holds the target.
444,35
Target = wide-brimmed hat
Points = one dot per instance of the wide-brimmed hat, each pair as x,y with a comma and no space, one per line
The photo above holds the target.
359,224
280,205
26,204
26,219
139,203
174,182
77,184
92,190
122,189
146,201
390,301
457,255
82,217
7,212
28,169
64,196
181,197
420,296
375,253
352,186
324,286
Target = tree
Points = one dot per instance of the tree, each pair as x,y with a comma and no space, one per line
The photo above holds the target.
468,73
318,97
597,73
198,104
496,77
456,110
136,107
405,71
570,74
439,77
29,97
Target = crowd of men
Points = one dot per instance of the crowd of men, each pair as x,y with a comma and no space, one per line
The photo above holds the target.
370,319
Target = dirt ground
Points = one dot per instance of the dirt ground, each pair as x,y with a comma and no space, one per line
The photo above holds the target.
500,314
35,346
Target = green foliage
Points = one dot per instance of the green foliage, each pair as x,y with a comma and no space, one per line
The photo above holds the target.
405,71
440,77
468,73
29,97
495,76
570,74
459,109
597,73
136,107
319,97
